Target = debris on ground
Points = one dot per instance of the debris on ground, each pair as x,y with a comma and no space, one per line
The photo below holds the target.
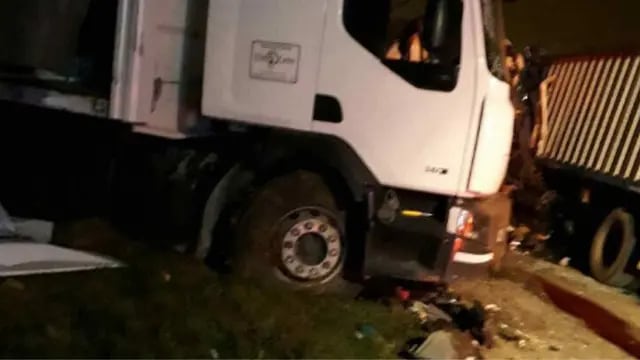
565,261
510,334
26,249
438,345
365,331
492,308
429,312
402,294
442,316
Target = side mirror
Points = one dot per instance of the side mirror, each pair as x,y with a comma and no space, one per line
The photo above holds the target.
442,29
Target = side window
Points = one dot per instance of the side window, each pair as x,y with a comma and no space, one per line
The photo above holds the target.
419,40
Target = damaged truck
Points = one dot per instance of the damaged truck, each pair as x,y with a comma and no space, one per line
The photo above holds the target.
272,137
590,158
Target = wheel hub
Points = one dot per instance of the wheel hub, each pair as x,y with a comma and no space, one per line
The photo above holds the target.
311,248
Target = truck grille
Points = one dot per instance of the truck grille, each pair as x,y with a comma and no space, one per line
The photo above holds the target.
594,115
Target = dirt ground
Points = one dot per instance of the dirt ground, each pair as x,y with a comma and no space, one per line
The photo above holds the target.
549,332
167,305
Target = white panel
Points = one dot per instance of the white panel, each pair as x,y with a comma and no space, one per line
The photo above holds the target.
243,36
494,140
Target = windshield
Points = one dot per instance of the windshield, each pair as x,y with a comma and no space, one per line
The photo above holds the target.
493,33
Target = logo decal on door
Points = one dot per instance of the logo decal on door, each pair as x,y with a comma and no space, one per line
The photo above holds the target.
437,170
274,61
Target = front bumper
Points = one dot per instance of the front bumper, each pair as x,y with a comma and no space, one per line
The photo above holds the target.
420,242
484,252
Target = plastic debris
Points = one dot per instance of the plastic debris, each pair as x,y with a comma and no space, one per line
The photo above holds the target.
438,345
402,294
365,331
510,334
429,312
420,310
565,261
435,313
467,318
492,307
522,343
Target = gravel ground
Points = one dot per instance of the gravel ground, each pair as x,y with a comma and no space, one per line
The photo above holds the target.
549,332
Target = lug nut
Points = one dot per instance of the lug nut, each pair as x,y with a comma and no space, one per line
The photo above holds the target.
299,269
289,260
326,265
333,252
288,244
295,232
323,228
308,225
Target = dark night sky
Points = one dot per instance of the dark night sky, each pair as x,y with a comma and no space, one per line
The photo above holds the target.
575,26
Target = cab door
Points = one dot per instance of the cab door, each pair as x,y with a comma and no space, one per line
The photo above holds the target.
262,60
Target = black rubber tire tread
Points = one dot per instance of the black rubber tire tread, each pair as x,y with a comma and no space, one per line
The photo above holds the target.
256,256
613,275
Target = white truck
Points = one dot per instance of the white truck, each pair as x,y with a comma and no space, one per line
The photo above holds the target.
271,132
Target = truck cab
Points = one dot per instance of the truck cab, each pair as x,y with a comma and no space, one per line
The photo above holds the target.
352,151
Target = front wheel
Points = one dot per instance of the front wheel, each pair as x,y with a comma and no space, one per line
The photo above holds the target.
293,233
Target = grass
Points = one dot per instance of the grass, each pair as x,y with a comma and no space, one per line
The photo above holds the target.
166,305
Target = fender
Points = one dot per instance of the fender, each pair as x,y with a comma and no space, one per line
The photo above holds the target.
278,154
327,155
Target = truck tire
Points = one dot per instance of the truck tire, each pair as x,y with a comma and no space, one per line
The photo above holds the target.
292,233
613,274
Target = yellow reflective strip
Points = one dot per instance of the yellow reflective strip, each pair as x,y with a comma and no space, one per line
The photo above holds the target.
414,213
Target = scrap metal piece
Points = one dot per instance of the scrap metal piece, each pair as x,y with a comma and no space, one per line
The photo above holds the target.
24,250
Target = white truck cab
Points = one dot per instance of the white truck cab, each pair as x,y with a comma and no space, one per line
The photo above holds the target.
338,151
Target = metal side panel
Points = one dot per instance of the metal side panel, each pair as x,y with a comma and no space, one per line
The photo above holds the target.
594,116
158,65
